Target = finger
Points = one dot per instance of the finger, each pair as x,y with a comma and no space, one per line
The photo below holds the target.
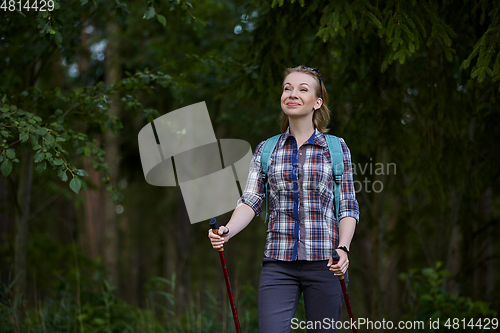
334,269
211,233
330,262
215,241
217,245
213,236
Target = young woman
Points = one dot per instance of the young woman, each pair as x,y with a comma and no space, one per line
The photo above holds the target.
301,190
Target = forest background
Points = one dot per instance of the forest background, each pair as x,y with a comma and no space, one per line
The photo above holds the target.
86,245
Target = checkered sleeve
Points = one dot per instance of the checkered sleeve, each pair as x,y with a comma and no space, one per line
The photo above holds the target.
348,203
254,193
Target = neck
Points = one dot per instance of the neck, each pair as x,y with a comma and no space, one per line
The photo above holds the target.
301,129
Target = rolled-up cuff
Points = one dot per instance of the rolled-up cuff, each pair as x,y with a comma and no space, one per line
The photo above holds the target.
252,200
351,209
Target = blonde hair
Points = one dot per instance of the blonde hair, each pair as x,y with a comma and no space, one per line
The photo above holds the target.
321,116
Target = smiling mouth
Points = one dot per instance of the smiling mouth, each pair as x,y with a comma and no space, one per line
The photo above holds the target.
292,104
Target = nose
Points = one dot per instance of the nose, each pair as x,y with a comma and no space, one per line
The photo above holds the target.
293,93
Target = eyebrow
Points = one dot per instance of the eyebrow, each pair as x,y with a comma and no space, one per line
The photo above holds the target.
299,84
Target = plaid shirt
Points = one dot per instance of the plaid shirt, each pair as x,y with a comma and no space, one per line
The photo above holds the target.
301,197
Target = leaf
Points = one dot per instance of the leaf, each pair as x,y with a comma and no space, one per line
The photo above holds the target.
84,2
149,13
24,136
99,321
162,20
86,151
5,108
11,154
6,167
81,172
411,47
63,175
50,139
199,25
75,185
58,39
58,161
84,184
41,167
374,19
39,157
78,91
41,131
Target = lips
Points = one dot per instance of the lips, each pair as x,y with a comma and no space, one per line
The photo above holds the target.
292,104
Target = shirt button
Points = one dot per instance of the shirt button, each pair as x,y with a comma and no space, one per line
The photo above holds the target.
300,153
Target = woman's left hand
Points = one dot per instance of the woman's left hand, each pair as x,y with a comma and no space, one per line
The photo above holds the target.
341,266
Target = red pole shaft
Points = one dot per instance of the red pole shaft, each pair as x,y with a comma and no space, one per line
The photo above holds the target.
347,303
215,229
335,258
229,291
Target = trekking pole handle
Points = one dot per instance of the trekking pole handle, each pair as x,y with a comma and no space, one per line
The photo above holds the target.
215,229
336,258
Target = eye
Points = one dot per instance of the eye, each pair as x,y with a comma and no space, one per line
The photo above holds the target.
303,89
286,89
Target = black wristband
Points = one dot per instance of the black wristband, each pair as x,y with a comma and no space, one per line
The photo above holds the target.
343,248
226,232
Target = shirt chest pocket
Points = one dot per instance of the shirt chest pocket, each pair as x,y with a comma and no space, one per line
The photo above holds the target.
317,178
281,177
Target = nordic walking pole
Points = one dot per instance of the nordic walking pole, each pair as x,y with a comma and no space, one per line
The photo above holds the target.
215,229
335,257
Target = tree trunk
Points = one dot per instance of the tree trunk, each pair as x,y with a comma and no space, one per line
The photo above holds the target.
112,74
93,208
183,255
22,215
6,226
483,251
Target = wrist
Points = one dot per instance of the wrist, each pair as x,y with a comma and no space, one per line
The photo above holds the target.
343,248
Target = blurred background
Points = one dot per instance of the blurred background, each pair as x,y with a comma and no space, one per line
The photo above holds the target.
86,245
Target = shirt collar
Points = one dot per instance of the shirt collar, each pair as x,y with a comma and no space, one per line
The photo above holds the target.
317,138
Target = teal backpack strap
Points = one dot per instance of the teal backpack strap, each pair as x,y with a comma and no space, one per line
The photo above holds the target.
337,157
265,159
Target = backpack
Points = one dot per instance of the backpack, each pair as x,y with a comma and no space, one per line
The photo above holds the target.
336,156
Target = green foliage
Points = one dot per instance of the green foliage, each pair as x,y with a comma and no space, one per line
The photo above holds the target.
404,25
487,46
72,294
54,141
427,298
94,308
407,25
396,92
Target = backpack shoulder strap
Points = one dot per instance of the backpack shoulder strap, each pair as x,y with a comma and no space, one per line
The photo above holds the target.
265,159
337,157
267,150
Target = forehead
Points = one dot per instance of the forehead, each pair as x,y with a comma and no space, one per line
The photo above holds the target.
297,78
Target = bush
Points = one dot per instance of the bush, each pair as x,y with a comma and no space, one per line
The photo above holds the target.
426,298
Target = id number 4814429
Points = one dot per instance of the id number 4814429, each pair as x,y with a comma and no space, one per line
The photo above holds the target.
464,323
27,5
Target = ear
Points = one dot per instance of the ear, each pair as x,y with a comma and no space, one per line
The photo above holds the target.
319,103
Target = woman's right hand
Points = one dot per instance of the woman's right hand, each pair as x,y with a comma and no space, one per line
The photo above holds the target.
219,239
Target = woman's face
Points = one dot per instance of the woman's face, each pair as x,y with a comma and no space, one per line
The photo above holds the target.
298,98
